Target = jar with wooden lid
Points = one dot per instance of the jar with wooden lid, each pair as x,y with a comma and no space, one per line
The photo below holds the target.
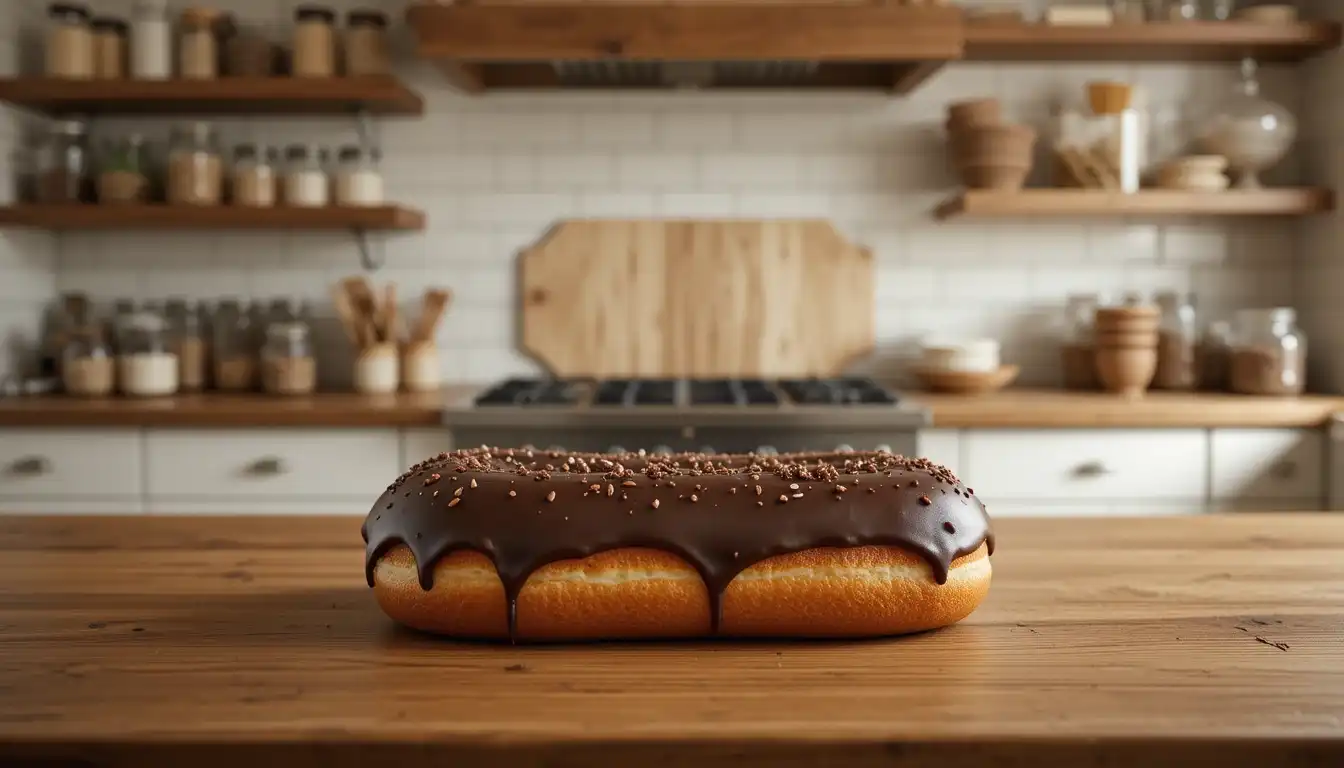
254,178
69,41
366,50
1177,343
288,364
307,184
359,183
234,348
1269,353
151,41
314,42
63,164
146,364
198,47
195,168
187,337
249,54
123,171
88,368
109,48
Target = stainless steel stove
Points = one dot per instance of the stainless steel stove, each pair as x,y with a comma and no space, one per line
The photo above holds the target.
711,415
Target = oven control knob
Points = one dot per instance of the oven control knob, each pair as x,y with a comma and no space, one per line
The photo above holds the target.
662,449
844,448
766,450
616,449
885,448
707,449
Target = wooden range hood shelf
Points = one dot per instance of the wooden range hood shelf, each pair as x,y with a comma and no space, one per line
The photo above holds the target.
575,44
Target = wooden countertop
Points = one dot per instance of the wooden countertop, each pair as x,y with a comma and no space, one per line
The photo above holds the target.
1199,641
1018,408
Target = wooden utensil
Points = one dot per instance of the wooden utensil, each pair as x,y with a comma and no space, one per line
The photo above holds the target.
361,296
434,304
351,321
391,321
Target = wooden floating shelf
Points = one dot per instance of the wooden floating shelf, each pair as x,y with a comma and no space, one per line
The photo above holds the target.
1179,41
1157,202
225,96
171,217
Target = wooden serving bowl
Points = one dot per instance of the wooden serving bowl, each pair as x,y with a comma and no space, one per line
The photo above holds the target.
967,382
1127,372
1125,339
971,112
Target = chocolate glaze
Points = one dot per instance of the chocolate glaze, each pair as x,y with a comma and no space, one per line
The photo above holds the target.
524,509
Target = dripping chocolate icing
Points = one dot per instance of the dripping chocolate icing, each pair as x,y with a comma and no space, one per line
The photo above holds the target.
525,508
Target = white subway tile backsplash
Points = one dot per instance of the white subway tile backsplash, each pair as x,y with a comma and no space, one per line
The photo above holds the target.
738,171
617,129
573,171
695,130
694,204
644,170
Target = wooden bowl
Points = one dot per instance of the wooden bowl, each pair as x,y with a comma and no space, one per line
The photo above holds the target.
971,112
1126,339
1005,177
1127,372
965,382
996,145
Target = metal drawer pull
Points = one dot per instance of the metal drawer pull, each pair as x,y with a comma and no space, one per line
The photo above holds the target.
31,465
271,465
1092,469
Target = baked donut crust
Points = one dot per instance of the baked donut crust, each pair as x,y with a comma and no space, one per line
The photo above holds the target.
637,593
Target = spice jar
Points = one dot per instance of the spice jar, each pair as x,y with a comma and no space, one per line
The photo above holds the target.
235,348
1078,352
195,169
87,365
123,175
1215,357
358,180
1178,338
248,54
287,362
63,163
188,343
146,365
151,41
366,44
198,50
1269,353
109,49
314,42
69,42
254,180
306,182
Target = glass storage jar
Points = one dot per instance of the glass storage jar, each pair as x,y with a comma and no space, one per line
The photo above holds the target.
87,365
306,181
123,174
358,180
146,365
69,40
1252,132
1128,11
151,41
288,364
198,48
1183,10
366,44
1269,353
195,169
235,348
188,343
254,180
1215,357
1221,10
249,54
109,48
1178,339
1078,352
63,163
314,42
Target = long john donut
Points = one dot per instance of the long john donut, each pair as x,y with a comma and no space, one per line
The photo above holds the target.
547,545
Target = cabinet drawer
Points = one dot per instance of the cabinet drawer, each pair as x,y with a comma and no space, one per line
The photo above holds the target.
1268,464
1155,508
67,463
280,464
1110,464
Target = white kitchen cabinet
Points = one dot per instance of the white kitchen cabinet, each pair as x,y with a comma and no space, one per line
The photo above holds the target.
84,470
1056,508
419,444
261,466
1268,468
354,505
1103,465
942,446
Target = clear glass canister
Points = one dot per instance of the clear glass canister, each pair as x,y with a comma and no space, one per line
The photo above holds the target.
314,41
1221,10
358,180
87,365
1178,341
123,173
1078,351
289,366
254,179
306,181
188,343
1269,353
146,364
69,41
198,48
63,163
1215,357
235,348
151,41
249,54
195,169
109,48
366,44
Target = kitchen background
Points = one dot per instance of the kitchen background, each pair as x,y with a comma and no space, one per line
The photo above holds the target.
493,173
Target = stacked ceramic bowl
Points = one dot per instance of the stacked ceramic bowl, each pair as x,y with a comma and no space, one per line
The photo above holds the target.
987,152
1126,348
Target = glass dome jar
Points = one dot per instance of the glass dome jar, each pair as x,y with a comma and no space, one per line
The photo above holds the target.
288,364
235,348
146,364
195,167
87,365
1269,353
1252,132
1178,342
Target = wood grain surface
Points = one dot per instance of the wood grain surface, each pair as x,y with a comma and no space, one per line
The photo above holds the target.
59,217
1196,641
697,298
1183,41
1156,202
225,96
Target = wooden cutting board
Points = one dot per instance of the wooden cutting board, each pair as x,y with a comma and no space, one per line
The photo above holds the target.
703,298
